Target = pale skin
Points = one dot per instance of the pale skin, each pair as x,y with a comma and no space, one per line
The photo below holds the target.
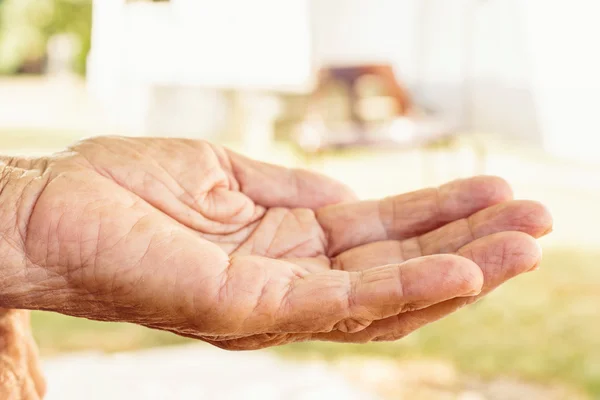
191,238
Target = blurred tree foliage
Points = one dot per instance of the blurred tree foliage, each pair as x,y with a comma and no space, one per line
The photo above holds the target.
27,25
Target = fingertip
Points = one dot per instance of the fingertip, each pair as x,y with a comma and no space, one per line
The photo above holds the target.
448,275
530,217
491,188
542,218
466,274
503,255
521,249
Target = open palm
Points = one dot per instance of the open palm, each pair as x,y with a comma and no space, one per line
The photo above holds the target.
189,237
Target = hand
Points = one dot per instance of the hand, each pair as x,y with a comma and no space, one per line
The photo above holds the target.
191,238
20,376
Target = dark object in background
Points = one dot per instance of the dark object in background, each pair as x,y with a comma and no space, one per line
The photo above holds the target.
366,106
33,66
363,83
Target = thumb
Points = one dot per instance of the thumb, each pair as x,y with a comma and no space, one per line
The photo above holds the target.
274,186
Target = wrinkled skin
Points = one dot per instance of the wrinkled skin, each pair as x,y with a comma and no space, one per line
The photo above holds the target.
189,237
20,373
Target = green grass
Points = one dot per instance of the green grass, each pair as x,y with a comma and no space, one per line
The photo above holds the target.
57,333
544,326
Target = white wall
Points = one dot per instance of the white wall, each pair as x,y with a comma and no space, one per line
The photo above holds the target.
436,45
225,43
354,31
563,38
157,66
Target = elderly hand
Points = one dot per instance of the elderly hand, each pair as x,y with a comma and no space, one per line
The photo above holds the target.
20,376
188,237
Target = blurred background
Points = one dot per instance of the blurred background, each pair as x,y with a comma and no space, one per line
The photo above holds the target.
417,92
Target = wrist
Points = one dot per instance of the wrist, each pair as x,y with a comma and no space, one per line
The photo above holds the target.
20,188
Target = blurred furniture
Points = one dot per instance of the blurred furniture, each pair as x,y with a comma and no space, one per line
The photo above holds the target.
365,107
362,84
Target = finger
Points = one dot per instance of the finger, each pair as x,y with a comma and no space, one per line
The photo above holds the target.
33,359
409,215
350,301
35,368
11,328
273,186
10,385
501,256
521,216
15,381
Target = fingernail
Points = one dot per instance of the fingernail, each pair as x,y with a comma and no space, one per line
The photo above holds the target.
535,267
474,292
548,231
